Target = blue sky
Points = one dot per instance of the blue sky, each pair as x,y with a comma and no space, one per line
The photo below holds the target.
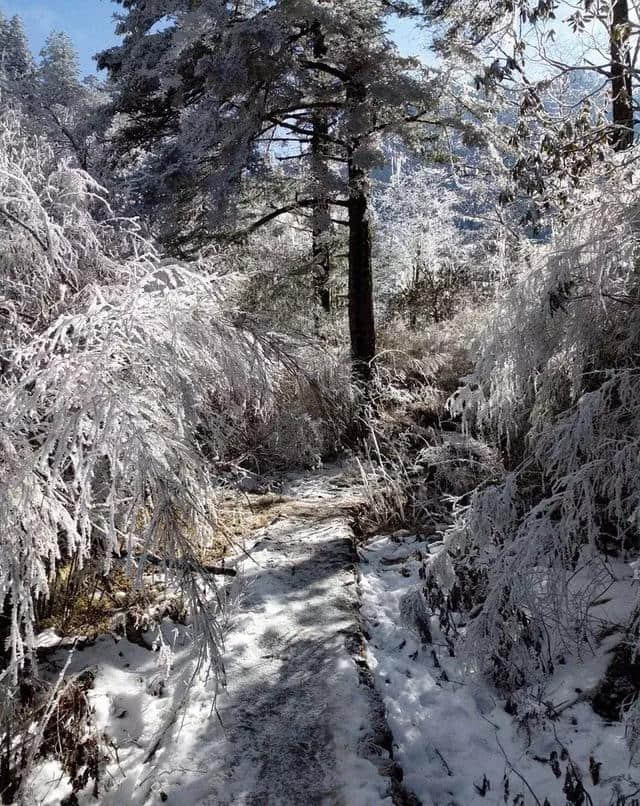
88,22
90,25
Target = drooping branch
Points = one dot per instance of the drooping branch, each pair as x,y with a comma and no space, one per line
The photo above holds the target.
80,153
323,67
298,204
305,105
305,132
44,246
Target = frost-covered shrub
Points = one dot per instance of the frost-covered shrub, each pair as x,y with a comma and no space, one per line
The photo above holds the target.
58,237
78,375
114,413
438,246
631,719
437,354
316,407
280,284
557,379
456,464
127,384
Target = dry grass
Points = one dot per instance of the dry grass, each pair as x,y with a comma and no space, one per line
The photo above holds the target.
241,515
91,604
437,355
88,604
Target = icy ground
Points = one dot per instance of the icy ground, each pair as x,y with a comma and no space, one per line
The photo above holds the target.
302,720
453,738
294,726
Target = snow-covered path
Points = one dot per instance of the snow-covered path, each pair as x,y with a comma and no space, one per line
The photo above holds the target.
299,722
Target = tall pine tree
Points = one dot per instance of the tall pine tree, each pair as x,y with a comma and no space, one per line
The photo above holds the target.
201,88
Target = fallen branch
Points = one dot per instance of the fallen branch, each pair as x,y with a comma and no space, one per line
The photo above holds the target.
186,565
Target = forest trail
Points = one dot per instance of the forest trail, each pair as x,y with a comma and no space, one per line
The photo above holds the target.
300,721
303,723
297,721
298,724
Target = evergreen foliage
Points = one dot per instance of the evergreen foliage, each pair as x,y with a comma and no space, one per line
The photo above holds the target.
185,247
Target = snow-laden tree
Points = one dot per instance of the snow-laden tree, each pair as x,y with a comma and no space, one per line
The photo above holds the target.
16,61
69,110
557,381
55,102
127,383
59,69
440,240
564,76
510,32
211,93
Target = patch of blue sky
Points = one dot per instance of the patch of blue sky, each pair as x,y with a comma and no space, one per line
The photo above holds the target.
90,25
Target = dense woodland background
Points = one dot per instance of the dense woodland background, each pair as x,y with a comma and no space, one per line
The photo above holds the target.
267,241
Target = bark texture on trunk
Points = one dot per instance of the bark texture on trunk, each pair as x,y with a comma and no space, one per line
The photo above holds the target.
321,217
621,87
321,220
361,319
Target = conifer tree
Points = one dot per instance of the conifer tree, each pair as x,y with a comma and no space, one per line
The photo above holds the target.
202,88
16,61
59,69
54,102
62,100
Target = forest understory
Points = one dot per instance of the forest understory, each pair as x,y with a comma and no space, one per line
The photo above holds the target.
344,682
319,406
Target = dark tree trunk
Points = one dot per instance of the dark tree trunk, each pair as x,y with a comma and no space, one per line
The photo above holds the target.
621,88
361,321
321,219
321,253
5,629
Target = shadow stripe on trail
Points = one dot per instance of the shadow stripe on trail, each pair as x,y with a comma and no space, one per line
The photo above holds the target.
303,723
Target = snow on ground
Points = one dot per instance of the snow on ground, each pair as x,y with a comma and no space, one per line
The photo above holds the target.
293,725
453,738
